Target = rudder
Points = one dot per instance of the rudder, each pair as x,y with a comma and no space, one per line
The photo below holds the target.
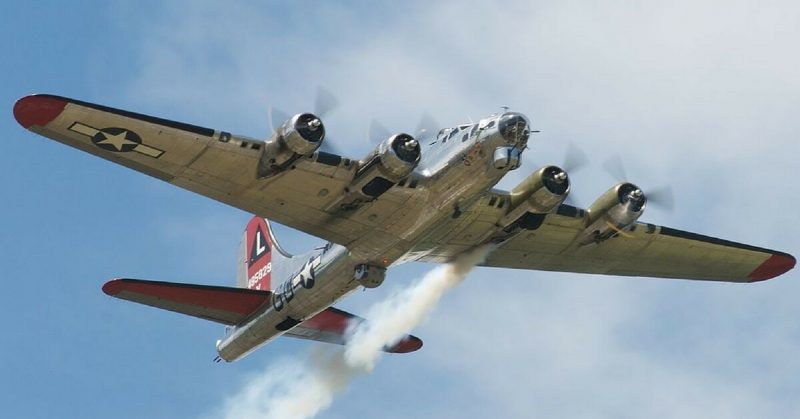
258,252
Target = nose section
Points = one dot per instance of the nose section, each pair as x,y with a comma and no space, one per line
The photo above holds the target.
514,127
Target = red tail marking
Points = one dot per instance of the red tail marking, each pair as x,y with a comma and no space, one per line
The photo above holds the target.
259,255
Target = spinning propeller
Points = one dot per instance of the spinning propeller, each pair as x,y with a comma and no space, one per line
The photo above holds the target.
661,197
324,103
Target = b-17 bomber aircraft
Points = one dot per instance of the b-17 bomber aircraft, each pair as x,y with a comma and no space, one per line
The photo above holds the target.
399,203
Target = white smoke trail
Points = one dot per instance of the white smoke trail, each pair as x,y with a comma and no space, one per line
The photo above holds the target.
389,320
293,388
301,390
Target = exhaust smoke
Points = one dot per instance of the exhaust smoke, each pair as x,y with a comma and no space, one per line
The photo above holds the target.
301,389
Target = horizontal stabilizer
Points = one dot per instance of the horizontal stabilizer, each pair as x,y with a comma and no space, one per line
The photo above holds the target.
224,305
330,325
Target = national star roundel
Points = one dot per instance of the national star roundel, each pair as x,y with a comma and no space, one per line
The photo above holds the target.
116,139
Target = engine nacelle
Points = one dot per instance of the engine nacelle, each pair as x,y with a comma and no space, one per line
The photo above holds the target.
369,276
392,161
540,193
299,136
615,210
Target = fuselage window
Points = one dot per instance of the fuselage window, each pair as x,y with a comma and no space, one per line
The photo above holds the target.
444,135
453,134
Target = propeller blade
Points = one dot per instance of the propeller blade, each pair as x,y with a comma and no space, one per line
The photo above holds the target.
662,197
427,128
377,132
325,102
615,168
329,147
571,200
276,118
575,159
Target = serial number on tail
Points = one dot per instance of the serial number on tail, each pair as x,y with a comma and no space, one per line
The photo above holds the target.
259,275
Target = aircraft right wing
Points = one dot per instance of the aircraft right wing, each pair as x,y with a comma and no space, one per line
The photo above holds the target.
210,162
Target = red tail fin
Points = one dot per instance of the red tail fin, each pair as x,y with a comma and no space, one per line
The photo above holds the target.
258,254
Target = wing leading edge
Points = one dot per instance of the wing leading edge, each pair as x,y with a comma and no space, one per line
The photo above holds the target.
232,306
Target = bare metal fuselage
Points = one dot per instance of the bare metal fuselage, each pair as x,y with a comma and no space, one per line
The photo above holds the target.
459,167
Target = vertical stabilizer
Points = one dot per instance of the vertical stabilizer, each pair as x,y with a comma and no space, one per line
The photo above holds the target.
259,254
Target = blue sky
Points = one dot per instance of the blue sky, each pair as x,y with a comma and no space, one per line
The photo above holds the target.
701,95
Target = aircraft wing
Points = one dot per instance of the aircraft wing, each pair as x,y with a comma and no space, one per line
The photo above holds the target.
547,242
210,162
224,305
330,325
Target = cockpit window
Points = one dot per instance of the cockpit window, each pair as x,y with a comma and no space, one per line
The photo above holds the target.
474,128
491,124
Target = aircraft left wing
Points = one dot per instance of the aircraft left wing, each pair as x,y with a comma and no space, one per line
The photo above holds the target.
210,162
549,242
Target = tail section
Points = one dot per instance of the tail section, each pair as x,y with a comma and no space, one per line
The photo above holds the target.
259,255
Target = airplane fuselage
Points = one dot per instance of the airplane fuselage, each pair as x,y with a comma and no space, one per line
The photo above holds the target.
461,164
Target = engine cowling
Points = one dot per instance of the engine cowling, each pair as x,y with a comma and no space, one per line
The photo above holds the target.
392,161
617,209
540,193
301,135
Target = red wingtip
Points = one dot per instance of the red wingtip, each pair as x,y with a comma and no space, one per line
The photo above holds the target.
38,110
778,264
408,344
113,287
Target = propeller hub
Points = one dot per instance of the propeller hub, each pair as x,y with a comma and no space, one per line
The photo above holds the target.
314,124
410,145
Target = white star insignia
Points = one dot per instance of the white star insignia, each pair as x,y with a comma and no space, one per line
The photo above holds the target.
118,140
